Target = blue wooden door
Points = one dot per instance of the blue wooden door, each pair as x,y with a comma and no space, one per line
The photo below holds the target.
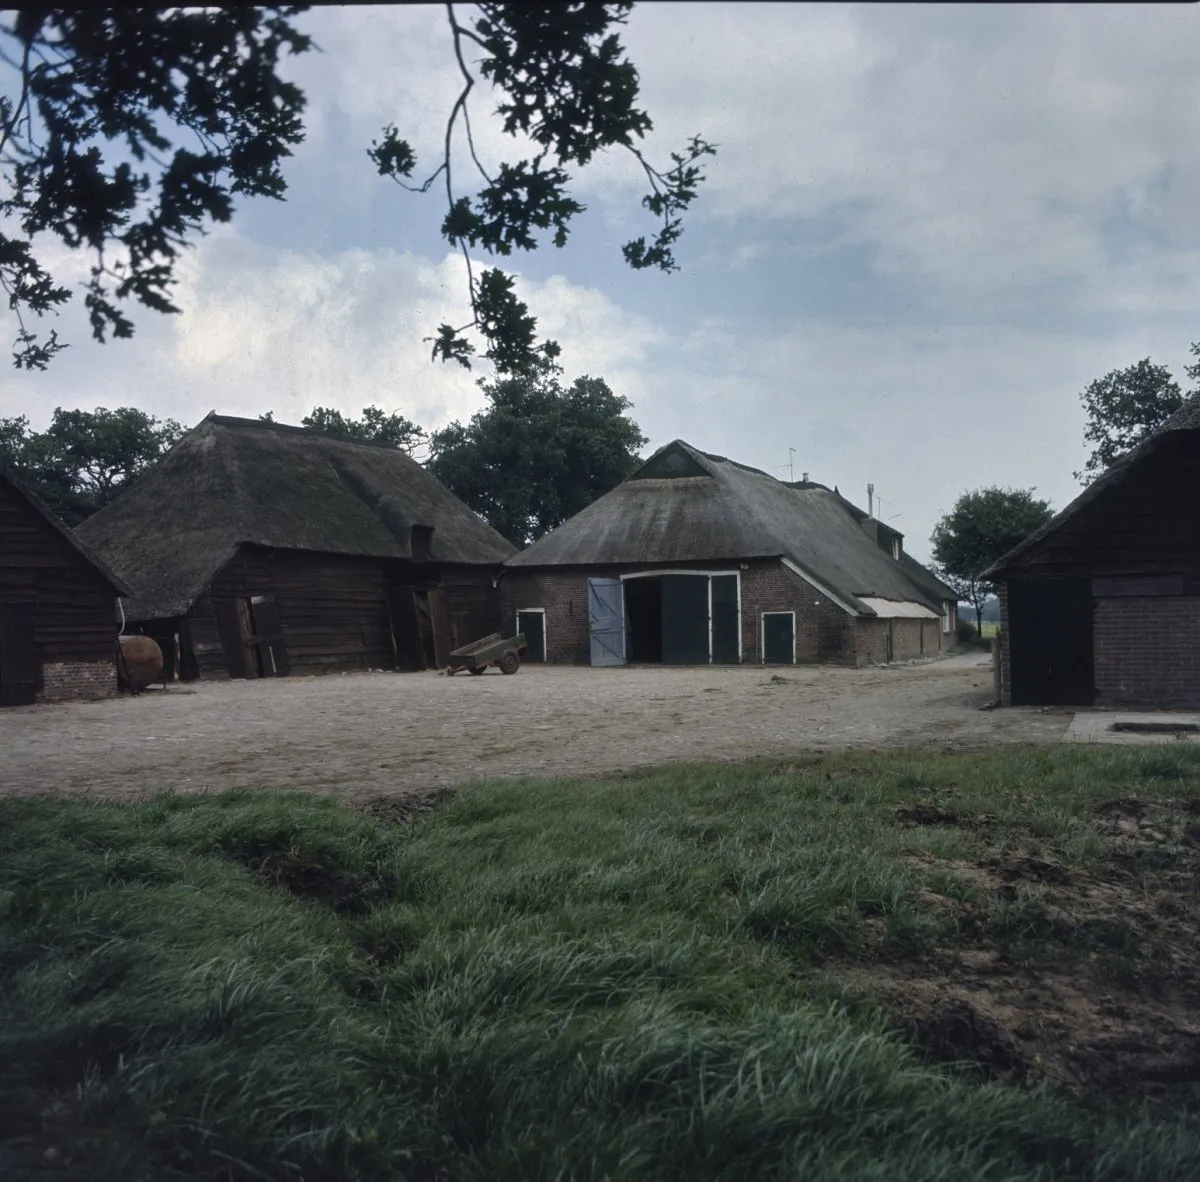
606,621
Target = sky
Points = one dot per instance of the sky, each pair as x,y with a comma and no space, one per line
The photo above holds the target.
926,230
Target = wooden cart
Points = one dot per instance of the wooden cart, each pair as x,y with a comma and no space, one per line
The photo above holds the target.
501,651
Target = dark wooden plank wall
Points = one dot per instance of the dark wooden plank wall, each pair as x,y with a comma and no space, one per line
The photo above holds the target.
1144,524
472,603
248,572
76,614
333,610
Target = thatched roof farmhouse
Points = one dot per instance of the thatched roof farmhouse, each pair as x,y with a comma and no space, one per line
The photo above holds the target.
1102,604
696,558
255,548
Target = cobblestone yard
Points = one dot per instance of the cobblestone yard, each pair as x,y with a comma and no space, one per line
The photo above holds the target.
365,735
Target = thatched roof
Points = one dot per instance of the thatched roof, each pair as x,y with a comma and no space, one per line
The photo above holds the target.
1186,418
684,505
94,560
233,481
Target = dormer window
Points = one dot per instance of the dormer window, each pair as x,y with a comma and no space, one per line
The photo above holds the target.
421,543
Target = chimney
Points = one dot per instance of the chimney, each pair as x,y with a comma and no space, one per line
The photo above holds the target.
870,500
804,477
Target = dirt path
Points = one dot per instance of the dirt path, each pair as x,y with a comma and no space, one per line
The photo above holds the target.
371,734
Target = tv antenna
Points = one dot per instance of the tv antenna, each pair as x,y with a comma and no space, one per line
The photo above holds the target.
790,465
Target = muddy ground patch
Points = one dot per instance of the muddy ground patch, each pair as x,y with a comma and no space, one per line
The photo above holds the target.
1073,960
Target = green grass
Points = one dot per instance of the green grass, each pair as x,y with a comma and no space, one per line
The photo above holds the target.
619,978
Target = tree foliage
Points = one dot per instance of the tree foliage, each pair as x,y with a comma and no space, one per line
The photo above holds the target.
1193,370
85,458
981,528
539,452
375,426
126,131
567,88
1123,407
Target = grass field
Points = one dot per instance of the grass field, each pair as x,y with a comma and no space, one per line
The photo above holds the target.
758,972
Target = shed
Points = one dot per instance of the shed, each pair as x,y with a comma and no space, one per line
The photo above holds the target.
695,558
256,549
1101,606
58,606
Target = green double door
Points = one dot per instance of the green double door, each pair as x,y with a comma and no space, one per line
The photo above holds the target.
700,620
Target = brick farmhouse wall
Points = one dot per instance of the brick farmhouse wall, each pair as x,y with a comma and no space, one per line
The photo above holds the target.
1147,651
64,681
825,632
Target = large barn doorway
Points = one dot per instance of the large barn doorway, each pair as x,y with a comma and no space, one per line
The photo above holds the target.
18,656
643,616
1050,625
682,619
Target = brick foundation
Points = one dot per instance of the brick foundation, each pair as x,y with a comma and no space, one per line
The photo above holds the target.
825,632
65,681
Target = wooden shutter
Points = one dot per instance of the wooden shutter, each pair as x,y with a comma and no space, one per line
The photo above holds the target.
606,621
726,621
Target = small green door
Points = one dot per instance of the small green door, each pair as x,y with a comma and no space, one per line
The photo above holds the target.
779,638
726,622
685,620
532,625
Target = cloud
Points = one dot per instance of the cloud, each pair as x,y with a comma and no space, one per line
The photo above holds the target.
286,330
980,146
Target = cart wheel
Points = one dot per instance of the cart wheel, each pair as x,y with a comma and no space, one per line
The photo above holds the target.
451,670
476,670
509,663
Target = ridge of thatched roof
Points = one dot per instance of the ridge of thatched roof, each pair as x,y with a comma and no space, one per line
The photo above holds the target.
232,481
94,560
1186,418
719,510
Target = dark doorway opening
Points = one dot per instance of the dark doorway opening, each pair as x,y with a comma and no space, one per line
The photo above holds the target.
779,638
1050,638
18,655
644,619
532,625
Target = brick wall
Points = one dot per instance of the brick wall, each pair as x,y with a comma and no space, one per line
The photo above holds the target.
564,598
824,632
870,642
1147,651
64,681
1003,655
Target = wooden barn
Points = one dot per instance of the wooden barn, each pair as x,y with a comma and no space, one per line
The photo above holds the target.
1101,606
255,549
696,559
58,606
